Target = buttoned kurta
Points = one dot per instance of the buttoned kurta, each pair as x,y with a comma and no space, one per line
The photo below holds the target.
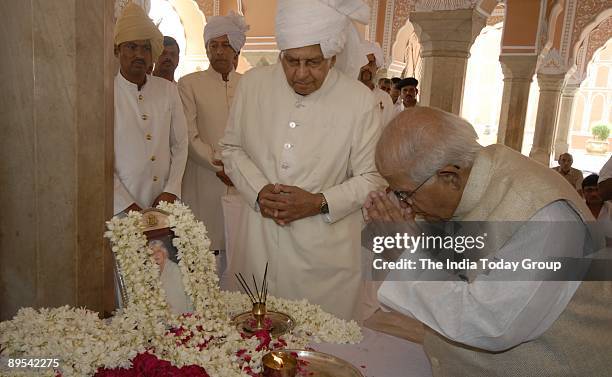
150,141
322,143
206,100
385,105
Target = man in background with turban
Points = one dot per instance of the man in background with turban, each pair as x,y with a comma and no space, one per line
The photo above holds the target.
150,130
408,94
207,97
299,148
375,57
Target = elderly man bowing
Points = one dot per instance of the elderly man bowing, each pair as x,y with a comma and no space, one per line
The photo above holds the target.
207,97
299,148
150,130
489,325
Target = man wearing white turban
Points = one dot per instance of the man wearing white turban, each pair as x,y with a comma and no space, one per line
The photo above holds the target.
299,148
207,97
150,131
375,57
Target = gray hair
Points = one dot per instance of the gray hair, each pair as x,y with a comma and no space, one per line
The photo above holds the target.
422,140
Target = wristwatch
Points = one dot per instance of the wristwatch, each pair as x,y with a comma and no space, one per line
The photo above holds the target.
324,206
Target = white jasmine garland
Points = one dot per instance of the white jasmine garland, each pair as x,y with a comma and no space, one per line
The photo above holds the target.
84,343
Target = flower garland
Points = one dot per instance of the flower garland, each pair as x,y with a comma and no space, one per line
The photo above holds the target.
197,263
146,335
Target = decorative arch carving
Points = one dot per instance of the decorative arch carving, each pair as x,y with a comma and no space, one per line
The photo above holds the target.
598,38
589,14
405,53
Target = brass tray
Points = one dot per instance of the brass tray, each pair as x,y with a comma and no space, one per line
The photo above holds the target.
280,323
319,364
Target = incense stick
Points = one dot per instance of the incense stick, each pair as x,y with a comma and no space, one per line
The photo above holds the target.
261,296
247,286
265,284
245,289
257,290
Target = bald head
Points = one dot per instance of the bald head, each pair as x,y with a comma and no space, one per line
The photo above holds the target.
422,140
565,162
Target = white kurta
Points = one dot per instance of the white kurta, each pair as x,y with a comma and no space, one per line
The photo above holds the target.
206,100
150,142
323,142
606,171
492,313
398,107
604,219
385,104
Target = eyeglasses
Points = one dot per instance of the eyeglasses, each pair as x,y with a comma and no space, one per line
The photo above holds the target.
405,196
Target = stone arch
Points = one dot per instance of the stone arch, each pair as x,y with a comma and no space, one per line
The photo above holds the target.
585,97
405,53
585,32
193,21
483,89
554,32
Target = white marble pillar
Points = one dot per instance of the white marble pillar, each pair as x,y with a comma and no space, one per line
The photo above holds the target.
57,154
550,91
566,110
518,73
446,37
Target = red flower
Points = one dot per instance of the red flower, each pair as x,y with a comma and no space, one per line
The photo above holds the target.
264,339
241,352
148,365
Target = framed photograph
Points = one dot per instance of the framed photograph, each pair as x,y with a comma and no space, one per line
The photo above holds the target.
165,256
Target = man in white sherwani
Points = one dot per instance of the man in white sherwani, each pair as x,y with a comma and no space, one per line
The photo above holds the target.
299,148
150,130
375,57
207,97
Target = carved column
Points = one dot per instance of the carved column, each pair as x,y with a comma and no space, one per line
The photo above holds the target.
518,73
550,91
566,110
446,37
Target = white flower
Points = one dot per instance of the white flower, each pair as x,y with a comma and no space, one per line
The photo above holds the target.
84,343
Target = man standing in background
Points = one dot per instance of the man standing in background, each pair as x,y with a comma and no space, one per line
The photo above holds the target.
394,92
571,175
150,130
168,60
375,57
385,85
207,97
408,94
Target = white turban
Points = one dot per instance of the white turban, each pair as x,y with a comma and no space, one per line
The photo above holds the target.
328,23
232,25
374,48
